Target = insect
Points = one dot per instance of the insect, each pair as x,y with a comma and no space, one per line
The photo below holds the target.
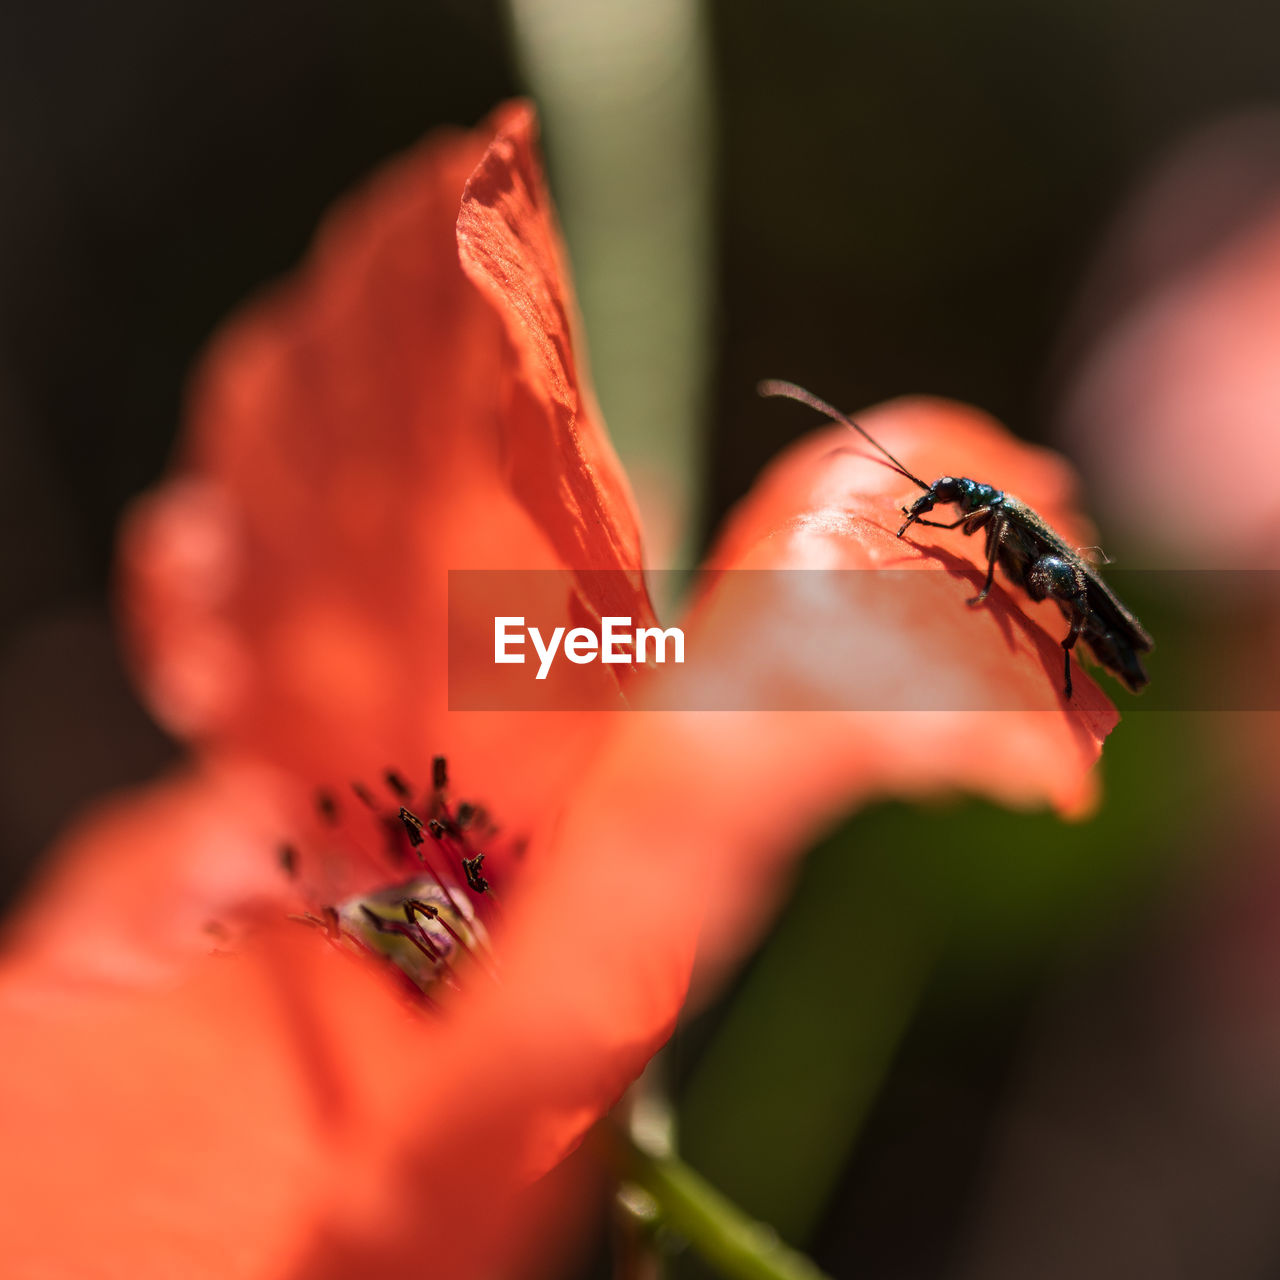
1029,551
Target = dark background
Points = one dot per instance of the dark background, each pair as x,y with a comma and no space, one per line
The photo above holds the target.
908,197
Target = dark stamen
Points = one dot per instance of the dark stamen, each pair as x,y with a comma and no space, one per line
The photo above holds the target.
437,831
397,784
439,773
414,934
466,815
410,906
327,806
412,826
472,868
288,859
364,795
428,909
329,921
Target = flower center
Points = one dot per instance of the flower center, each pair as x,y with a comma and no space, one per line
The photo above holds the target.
427,929
429,920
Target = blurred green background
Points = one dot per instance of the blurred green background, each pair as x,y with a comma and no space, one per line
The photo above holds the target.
869,198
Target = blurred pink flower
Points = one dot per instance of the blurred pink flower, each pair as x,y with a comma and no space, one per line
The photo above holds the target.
1176,397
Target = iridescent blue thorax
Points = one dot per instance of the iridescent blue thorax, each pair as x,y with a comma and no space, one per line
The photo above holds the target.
967,494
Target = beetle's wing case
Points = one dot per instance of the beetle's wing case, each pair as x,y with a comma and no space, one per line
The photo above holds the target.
1027,537
1111,630
1102,600
1113,633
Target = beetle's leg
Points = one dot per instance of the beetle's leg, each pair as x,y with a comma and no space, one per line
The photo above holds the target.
937,524
1069,643
995,535
1065,580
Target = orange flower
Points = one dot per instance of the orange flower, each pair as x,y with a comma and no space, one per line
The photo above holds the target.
413,402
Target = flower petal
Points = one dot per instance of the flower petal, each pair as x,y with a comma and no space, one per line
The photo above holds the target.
744,790
197,1130
279,1109
365,428
562,464
154,879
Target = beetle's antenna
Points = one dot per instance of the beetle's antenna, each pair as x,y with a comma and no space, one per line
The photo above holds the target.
789,390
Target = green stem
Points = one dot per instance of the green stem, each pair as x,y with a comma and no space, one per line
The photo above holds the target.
739,1247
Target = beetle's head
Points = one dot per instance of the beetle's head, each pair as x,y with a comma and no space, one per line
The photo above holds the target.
944,489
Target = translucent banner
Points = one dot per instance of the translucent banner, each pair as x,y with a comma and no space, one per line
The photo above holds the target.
865,640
